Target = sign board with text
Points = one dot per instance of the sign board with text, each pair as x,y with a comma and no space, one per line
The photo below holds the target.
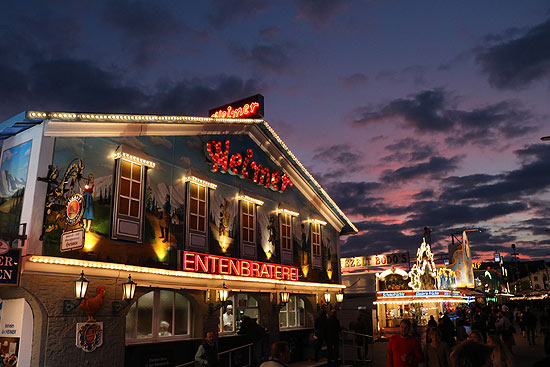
401,258
72,240
10,265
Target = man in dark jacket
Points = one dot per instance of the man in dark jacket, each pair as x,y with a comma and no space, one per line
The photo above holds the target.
333,339
320,332
207,354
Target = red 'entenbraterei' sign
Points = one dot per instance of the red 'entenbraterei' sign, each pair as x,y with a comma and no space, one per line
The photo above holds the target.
213,264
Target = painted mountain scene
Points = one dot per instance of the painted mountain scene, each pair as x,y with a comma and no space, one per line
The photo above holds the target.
13,178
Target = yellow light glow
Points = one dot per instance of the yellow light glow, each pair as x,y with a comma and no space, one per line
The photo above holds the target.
224,243
268,254
175,273
90,240
305,270
248,198
317,221
199,181
286,211
138,118
134,159
161,249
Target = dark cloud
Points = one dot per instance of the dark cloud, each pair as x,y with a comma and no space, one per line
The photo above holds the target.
149,28
435,167
380,238
339,154
517,63
433,111
79,85
224,12
143,19
446,214
270,58
529,179
424,194
353,81
320,12
408,150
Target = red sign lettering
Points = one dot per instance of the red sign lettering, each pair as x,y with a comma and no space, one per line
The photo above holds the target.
249,109
218,153
213,264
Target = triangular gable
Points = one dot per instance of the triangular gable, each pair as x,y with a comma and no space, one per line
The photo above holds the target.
60,124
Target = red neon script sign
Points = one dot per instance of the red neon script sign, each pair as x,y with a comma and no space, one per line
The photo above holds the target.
231,113
213,264
241,164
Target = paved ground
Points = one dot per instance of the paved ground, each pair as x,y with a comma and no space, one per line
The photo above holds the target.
525,355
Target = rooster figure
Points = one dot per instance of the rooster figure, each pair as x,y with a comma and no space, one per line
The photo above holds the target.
90,305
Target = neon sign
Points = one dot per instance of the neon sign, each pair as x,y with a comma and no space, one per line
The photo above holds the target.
252,107
241,164
244,111
213,264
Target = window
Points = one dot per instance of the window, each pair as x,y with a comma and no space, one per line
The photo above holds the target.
158,315
293,313
248,229
286,238
316,244
197,215
129,199
237,307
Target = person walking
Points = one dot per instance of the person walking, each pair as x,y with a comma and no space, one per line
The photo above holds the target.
403,349
437,352
207,354
280,355
530,322
333,339
501,355
505,329
320,333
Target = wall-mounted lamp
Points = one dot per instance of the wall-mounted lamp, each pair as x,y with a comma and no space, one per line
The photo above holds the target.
80,288
284,297
222,296
327,297
340,297
128,291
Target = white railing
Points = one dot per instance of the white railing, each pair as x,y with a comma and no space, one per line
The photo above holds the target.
229,354
355,347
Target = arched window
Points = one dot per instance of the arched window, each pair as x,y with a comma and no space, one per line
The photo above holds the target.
158,315
238,306
293,314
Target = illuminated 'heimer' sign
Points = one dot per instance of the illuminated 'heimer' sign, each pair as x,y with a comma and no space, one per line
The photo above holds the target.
251,107
241,164
212,264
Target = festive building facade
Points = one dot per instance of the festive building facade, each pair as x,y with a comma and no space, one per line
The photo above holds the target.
214,219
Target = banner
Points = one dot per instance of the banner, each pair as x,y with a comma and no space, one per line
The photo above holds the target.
401,258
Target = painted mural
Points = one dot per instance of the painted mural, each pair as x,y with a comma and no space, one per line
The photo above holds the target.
85,169
13,179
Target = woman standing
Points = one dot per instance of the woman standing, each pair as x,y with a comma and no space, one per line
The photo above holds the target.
437,352
88,214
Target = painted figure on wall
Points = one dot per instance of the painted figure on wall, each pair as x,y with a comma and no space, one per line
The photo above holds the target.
165,218
88,214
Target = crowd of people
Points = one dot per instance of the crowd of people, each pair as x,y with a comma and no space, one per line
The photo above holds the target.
479,336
